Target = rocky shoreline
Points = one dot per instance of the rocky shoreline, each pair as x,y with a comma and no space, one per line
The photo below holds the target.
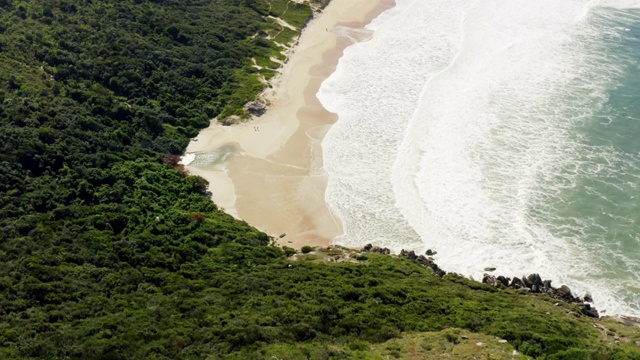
532,283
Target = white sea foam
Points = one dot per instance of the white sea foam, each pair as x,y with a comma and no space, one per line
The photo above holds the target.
457,133
359,151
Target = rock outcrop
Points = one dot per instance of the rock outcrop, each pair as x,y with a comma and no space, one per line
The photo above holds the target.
256,107
411,255
376,249
533,283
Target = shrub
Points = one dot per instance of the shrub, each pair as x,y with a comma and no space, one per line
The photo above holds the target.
451,337
288,251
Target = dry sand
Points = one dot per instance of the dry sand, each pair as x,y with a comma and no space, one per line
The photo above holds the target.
273,178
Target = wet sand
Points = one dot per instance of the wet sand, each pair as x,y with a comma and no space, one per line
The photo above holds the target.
273,176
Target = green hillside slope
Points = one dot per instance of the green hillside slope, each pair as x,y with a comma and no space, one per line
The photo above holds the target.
108,250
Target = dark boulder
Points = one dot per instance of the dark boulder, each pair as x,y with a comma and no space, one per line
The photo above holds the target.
503,280
438,271
424,261
589,311
533,280
588,298
488,279
411,255
516,283
537,280
256,107
564,292
430,252
380,250
427,263
367,248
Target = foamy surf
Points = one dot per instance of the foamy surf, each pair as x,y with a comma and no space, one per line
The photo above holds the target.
476,128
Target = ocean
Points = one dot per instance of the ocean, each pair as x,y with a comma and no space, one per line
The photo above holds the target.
497,133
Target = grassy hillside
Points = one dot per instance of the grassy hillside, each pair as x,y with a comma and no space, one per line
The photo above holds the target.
108,250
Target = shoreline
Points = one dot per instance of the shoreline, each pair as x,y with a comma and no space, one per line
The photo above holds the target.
278,186
268,171
525,285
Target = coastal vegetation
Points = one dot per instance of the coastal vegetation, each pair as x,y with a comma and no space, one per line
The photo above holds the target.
109,250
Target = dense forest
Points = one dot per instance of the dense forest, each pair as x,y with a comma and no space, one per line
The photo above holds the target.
109,250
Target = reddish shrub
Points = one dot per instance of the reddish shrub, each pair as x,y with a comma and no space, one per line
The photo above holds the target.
196,217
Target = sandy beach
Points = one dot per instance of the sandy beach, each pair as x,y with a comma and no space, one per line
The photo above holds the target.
268,171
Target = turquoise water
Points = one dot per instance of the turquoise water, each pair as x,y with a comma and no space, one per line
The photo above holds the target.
499,133
601,212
